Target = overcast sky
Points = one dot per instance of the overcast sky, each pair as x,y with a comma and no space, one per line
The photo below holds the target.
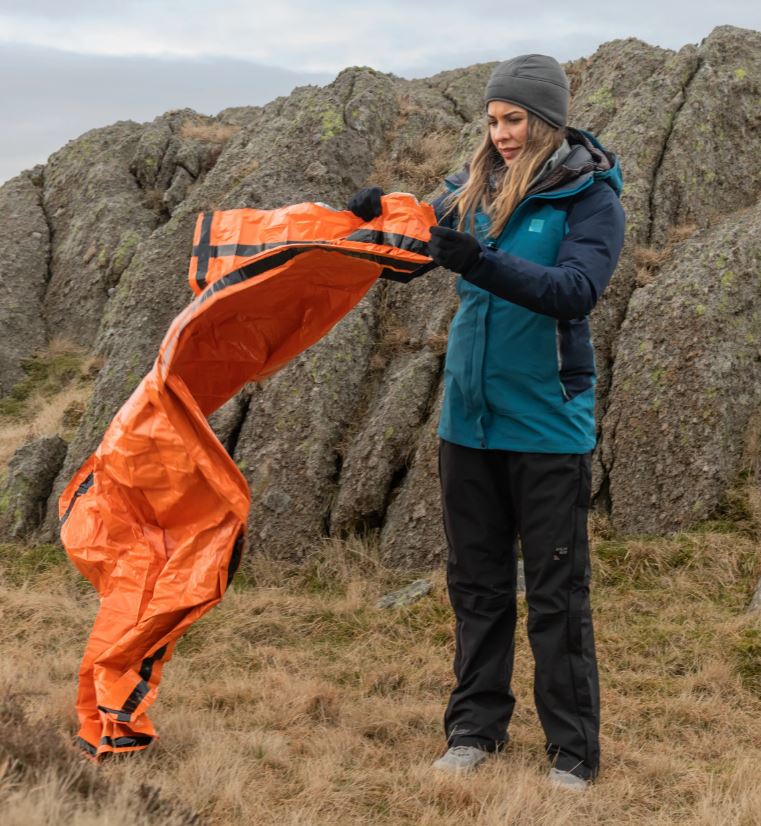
66,67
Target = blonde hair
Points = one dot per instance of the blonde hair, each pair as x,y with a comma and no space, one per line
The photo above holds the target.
542,140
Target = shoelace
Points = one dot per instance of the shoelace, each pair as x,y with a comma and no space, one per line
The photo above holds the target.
461,751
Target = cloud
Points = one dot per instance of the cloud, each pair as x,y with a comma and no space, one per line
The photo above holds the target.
397,35
55,96
140,58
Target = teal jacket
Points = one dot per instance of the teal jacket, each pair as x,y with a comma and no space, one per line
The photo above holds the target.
520,371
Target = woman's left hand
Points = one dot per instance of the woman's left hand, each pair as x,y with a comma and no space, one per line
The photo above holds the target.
457,251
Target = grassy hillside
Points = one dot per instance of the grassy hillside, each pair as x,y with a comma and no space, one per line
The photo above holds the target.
297,701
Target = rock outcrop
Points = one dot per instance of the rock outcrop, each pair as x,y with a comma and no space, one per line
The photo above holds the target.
710,164
344,439
24,253
687,380
97,221
24,494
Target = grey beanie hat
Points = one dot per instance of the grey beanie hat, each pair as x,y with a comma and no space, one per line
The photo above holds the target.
536,82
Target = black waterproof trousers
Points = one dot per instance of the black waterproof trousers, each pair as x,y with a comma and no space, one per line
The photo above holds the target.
490,498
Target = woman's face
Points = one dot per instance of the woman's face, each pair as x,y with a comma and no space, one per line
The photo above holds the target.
508,125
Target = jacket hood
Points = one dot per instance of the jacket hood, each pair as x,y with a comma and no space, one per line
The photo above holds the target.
587,158
589,155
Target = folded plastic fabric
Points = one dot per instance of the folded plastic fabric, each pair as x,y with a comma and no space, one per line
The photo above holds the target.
155,519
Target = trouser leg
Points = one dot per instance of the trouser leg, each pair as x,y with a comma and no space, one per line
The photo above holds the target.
481,578
551,494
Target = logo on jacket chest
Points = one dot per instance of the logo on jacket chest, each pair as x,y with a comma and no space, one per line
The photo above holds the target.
536,225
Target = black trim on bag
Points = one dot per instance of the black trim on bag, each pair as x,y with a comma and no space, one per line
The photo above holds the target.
146,669
390,239
364,236
124,714
235,557
271,261
85,746
82,489
127,742
390,271
121,716
392,275
203,250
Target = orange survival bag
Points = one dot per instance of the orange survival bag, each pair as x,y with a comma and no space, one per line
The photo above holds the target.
155,519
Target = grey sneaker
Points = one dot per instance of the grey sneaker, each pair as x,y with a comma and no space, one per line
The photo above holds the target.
461,759
567,780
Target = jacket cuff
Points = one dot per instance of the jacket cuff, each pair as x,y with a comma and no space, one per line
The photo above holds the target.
472,272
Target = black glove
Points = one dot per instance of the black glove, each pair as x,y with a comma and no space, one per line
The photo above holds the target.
457,251
366,204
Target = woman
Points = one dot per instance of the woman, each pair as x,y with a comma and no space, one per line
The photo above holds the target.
534,228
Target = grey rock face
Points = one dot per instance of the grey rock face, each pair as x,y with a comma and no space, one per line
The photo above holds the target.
413,532
174,151
601,84
265,165
687,380
226,421
710,166
462,89
31,472
344,439
97,220
24,250
154,288
419,317
318,144
290,443
380,449
640,133
670,197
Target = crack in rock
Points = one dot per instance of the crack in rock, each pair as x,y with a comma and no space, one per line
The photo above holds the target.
659,162
49,254
347,101
231,443
450,98
602,496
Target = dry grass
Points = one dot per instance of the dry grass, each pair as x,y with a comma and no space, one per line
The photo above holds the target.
153,199
417,167
649,260
681,232
208,131
643,276
46,421
52,398
420,152
650,257
299,702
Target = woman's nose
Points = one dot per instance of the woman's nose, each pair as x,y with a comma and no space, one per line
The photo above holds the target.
504,132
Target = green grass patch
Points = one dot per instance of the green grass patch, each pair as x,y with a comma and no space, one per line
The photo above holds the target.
747,656
21,563
46,375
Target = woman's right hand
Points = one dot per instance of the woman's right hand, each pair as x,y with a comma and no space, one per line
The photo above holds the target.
366,204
